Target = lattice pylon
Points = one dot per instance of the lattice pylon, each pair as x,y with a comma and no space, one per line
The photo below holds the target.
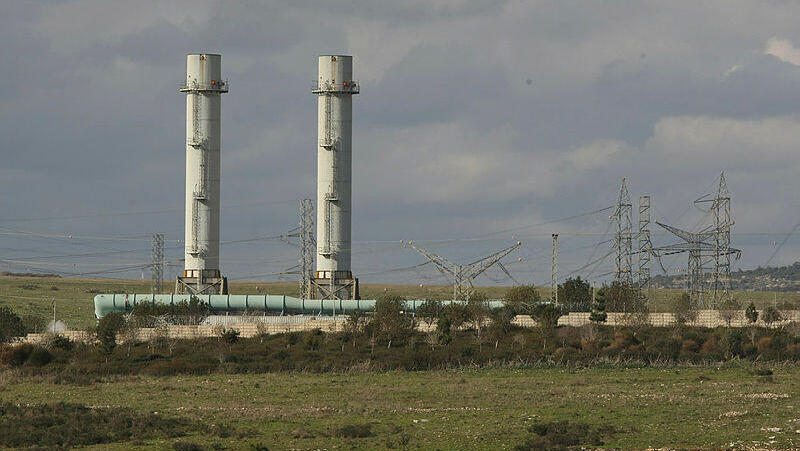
623,271
307,247
645,248
721,209
157,265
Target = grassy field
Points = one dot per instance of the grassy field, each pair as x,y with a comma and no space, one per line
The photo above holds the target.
677,407
74,296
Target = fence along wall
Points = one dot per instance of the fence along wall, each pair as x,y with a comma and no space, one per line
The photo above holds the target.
274,325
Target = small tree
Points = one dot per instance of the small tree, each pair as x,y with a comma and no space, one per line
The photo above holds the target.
751,313
598,314
547,314
621,297
729,310
771,315
521,299
478,312
33,323
11,325
389,322
430,311
576,294
107,329
684,308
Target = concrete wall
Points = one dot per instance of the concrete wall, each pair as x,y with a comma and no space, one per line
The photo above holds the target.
705,318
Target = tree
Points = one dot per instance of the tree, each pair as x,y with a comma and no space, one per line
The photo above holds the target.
430,311
33,323
521,299
478,312
684,308
771,315
576,294
107,329
389,321
751,313
598,314
547,314
621,297
11,325
729,310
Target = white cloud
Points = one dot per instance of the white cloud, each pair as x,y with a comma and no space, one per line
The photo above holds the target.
596,154
734,143
784,50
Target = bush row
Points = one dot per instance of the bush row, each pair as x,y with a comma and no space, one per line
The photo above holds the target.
321,352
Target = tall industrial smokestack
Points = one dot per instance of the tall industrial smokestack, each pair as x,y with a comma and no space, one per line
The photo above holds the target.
335,87
203,87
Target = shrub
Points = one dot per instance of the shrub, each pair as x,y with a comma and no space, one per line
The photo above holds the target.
59,342
72,425
562,435
182,445
11,325
732,342
16,355
764,344
684,308
690,346
751,313
229,336
39,357
771,315
355,431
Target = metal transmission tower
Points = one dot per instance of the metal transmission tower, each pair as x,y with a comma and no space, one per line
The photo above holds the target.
699,246
554,271
721,235
645,247
463,275
307,247
696,245
157,267
622,239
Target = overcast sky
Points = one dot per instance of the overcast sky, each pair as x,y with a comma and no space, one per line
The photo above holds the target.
476,119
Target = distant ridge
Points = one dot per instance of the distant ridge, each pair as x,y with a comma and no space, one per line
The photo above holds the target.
772,278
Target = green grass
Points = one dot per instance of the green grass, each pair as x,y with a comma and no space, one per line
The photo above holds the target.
74,296
675,407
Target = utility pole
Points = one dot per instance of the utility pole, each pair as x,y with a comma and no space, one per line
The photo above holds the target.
157,266
554,272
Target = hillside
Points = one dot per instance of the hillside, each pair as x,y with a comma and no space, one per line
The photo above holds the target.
781,278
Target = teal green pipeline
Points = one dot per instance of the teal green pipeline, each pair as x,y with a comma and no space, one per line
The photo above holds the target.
269,303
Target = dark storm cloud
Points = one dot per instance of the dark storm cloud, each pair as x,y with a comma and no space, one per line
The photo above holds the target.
474,116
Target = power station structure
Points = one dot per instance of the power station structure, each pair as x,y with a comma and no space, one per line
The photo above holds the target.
334,87
203,88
